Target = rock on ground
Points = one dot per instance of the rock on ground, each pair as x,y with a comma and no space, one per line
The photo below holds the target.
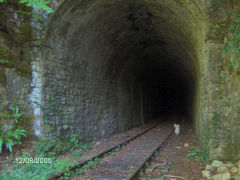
225,176
217,163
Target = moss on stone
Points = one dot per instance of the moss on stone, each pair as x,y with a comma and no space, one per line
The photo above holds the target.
228,151
27,32
18,62
4,54
2,77
27,123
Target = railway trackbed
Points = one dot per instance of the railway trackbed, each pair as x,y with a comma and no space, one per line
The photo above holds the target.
131,155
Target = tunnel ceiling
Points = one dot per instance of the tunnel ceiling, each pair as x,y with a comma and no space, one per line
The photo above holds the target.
134,36
118,64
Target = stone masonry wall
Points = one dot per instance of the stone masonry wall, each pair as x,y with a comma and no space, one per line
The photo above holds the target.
80,73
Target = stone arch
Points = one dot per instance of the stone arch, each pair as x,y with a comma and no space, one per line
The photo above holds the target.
108,61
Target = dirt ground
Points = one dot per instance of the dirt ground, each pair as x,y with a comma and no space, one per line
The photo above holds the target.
170,162
7,158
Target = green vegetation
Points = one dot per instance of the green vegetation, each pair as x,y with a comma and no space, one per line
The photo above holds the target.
227,31
35,171
4,57
53,111
95,161
238,122
90,164
37,4
4,61
203,153
53,146
19,11
50,147
11,135
142,174
232,45
50,150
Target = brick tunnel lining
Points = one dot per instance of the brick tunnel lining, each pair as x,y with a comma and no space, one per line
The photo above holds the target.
116,65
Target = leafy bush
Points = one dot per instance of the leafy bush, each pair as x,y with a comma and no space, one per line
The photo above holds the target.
35,171
10,135
50,146
201,154
47,147
53,146
74,141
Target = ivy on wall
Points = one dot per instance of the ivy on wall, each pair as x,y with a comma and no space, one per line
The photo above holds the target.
232,45
36,4
226,30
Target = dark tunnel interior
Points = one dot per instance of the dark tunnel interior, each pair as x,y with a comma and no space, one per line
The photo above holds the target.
125,63
172,91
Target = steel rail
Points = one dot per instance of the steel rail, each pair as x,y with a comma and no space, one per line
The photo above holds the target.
60,174
135,174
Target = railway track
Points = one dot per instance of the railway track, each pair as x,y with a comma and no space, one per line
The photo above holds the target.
133,154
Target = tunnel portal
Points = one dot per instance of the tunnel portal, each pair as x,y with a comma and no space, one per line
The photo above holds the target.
118,64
